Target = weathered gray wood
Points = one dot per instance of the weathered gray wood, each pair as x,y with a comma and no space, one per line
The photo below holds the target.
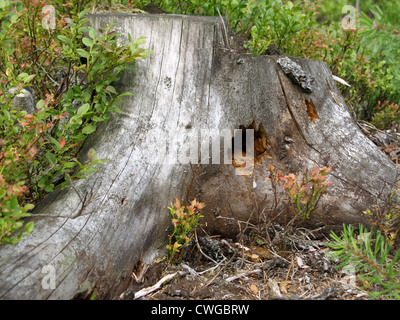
192,81
254,92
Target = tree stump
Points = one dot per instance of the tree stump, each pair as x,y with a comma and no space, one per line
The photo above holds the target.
197,83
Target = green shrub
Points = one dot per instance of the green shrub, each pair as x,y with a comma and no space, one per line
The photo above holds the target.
304,194
369,254
185,220
72,68
303,197
386,116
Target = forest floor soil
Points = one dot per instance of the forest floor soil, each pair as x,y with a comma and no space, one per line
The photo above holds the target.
213,268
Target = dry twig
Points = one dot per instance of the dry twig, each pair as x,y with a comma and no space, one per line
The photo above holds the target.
243,274
157,286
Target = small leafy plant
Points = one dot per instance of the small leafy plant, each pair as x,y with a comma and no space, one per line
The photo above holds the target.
369,254
71,69
384,216
386,116
305,194
185,220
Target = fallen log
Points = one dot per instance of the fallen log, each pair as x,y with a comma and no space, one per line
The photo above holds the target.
196,87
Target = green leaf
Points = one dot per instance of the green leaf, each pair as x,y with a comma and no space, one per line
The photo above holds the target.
83,109
64,39
69,164
14,18
83,53
129,94
6,114
28,207
99,86
116,109
29,227
69,95
87,171
82,14
83,29
86,96
92,33
77,89
6,25
51,157
13,202
139,41
97,119
89,129
17,225
92,155
55,142
88,42
39,104
29,78
75,120
19,7
111,89
21,76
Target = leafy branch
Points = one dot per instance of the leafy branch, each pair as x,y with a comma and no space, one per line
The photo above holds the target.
185,220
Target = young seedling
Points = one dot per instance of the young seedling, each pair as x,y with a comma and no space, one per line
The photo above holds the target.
185,220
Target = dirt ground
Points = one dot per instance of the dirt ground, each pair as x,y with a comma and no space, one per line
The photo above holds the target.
212,268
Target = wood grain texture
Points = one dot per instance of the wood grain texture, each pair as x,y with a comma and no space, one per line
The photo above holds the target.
191,82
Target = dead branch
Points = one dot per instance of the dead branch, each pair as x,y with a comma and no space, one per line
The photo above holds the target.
243,274
158,285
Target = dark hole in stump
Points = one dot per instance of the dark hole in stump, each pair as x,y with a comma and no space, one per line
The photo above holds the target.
261,143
